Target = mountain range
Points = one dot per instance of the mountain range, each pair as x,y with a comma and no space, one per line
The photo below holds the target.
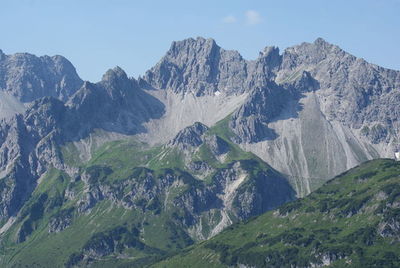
140,168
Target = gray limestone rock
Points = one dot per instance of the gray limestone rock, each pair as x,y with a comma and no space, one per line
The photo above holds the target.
250,121
28,77
115,104
311,112
217,145
199,66
189,137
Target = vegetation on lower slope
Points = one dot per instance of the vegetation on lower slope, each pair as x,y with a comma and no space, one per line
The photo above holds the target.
131,204
351,221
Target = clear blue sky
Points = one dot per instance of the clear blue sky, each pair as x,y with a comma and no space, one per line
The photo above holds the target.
96,35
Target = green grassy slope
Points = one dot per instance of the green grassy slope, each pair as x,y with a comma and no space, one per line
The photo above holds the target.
110,234
351,221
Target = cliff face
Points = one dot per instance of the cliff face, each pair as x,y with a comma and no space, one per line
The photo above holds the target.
312,111
28,77
199,66
25,78
197,130
32,142
338,111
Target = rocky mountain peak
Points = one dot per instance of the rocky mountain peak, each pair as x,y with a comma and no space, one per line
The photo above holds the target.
28,77
199,45
269,51
264,68
116,73
61,64
321,42
310,53
198,66
116,82
116,103
190,136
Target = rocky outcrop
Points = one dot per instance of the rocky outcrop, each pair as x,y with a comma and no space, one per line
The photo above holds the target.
234,193
217,145
28,77
115,104
318,90
250,121
199,66
61,221
353,88
29,146
31,143
309,97
190,136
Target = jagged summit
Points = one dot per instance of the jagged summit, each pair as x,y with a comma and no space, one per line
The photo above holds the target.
200,43
311,53
198,66
28,77
113,74
321,41
116,82
190,136
269,50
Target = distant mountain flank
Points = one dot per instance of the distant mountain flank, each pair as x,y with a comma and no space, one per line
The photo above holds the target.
202,140
311,112
351,221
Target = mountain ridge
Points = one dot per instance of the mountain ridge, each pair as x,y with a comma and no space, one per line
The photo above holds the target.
202,125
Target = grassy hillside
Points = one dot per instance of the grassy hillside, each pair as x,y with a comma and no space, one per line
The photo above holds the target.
351,221
130,204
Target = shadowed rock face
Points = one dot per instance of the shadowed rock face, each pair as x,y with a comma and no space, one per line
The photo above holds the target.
29,146
31,142
115,104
